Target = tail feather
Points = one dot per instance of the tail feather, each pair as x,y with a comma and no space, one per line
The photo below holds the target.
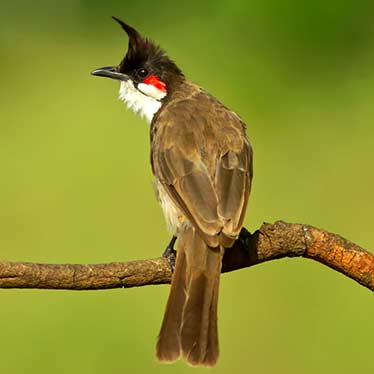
190,322
168,343
212,351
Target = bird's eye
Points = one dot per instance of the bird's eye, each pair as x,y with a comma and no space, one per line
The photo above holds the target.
142,73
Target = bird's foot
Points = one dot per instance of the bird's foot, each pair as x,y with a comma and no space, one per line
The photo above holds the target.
244,238
170,253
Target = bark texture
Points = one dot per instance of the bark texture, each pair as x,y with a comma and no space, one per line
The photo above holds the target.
271,241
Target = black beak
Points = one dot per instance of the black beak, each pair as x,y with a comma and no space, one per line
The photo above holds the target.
110,72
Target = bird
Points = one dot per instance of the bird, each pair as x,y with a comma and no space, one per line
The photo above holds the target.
202,161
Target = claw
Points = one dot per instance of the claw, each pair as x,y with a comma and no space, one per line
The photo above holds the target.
170,254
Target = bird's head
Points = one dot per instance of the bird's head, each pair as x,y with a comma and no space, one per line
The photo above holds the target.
145,72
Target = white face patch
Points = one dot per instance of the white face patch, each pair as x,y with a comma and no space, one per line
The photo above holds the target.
151,90
142,104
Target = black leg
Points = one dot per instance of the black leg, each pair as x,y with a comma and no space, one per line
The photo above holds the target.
170,253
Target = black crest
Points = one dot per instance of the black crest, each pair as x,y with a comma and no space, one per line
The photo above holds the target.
143,53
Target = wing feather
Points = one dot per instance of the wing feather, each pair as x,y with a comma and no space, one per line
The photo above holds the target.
233,181
204,161
188,183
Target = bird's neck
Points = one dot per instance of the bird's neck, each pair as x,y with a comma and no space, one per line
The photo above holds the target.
143,105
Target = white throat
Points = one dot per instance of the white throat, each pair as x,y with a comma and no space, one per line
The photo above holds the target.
145,103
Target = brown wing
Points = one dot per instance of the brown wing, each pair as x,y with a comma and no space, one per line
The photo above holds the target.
233,185
203,159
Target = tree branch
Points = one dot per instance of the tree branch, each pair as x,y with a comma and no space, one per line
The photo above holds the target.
271,241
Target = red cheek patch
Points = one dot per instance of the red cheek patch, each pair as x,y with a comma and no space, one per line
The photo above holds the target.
156,82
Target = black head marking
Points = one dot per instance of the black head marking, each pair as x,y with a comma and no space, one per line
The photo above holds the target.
143,54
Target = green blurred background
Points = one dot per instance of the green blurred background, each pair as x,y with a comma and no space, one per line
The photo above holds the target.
76,184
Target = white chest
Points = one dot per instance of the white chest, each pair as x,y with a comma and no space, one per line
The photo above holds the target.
144,104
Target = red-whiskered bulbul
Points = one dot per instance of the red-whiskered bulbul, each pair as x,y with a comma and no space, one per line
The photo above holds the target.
202,161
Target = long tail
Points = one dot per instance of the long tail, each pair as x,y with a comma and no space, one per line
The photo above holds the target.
190,321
